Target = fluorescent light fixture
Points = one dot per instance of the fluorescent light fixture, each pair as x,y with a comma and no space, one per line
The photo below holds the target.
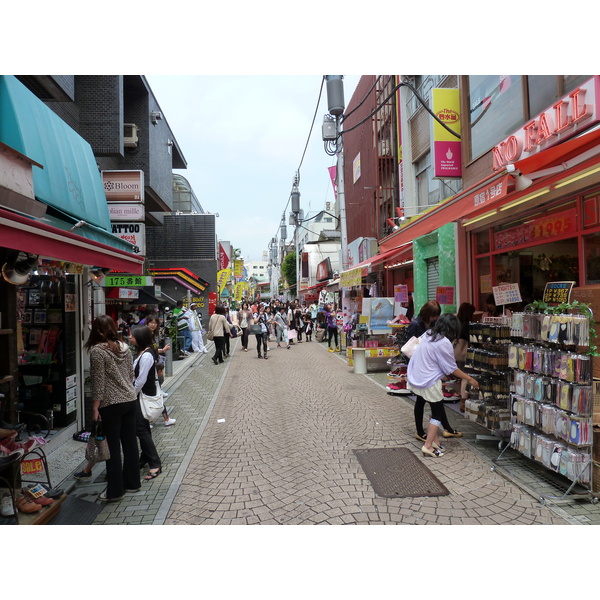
526,198
479,218
577,178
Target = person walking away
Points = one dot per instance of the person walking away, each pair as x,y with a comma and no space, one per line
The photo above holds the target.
219,326
465,313
291,323
114,402
332,330
161,349
432,360
227,348
244,316
144,368
299,322
261,318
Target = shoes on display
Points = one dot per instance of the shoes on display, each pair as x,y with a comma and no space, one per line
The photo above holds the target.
82,475
170,422
42,500
27,506
6,506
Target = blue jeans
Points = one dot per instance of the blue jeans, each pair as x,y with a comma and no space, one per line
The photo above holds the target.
187,340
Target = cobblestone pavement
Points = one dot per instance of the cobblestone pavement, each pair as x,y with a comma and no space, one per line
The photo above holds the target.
278,449
271,442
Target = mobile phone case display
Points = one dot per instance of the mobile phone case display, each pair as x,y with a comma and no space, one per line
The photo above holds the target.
48,348
487,360
552,399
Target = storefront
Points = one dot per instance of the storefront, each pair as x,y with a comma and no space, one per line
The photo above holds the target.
54,233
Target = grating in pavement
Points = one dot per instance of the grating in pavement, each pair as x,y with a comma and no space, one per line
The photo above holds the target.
398,473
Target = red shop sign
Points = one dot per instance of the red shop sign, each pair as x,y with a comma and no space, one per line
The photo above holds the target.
491,192
543,228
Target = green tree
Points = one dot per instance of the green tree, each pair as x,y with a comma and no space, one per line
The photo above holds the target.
288,268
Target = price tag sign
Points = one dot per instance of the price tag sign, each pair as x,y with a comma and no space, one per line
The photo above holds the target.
401,293
507,293
558,292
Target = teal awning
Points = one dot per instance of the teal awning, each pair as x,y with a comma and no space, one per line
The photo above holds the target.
70,180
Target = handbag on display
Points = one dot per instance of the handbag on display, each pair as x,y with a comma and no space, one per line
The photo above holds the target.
97,446
152,406
409,348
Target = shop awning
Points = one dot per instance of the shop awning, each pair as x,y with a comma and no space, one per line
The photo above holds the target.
70,180
35,237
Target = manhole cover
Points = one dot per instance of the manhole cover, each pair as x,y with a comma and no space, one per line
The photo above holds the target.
398,473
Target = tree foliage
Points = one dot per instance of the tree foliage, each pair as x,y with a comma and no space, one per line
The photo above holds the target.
288,268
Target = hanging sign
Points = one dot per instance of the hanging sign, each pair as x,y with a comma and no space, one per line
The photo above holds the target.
558,292
447,162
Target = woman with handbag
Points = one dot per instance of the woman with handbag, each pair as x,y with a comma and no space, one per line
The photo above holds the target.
465,313
146,382
281,330
244,316
218,328
114,402
261,320
432,360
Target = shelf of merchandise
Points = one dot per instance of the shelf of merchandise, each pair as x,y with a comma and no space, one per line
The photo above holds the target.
552,400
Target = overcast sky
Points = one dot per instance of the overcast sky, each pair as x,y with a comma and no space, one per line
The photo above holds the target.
243,138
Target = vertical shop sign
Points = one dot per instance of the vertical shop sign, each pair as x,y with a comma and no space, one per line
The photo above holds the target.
444,294
447,157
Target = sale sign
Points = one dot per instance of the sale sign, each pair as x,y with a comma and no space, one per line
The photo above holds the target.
557,224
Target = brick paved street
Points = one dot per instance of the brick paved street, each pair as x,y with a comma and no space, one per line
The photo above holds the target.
271,442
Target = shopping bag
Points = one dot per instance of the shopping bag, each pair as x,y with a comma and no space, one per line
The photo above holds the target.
409,348
292,334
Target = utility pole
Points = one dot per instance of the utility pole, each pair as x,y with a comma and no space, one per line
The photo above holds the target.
336,105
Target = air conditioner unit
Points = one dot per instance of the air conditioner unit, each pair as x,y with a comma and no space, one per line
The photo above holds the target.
130,137
384,148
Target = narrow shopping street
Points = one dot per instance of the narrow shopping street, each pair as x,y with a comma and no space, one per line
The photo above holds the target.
271,442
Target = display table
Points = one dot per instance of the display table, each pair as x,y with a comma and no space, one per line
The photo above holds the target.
360,358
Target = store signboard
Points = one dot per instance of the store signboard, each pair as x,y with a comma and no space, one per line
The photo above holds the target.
127,294
447,161
444,294
556,224
134,233
557,292
123,186
128,280
492,192
126,211
508,293
351,278
572,113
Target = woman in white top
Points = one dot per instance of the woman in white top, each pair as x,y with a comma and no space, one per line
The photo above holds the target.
432,360
244,316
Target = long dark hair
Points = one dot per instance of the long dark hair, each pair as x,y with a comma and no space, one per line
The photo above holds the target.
104,331
465,312
143,338
448,326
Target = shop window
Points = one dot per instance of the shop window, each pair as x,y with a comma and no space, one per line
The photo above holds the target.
495,109
591,248
484,280
482,242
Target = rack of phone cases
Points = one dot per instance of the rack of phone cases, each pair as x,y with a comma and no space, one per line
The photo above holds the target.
487,360
551,399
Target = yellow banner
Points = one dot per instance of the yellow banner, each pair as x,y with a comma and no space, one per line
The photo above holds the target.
238,268
351,278
238,291
222,278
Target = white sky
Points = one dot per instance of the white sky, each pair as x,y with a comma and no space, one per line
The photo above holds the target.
243,138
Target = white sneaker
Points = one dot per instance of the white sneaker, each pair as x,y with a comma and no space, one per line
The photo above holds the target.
165,395
170,422
205,351
6,506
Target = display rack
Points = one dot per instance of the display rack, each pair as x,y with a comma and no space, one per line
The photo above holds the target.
487,361
552,402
